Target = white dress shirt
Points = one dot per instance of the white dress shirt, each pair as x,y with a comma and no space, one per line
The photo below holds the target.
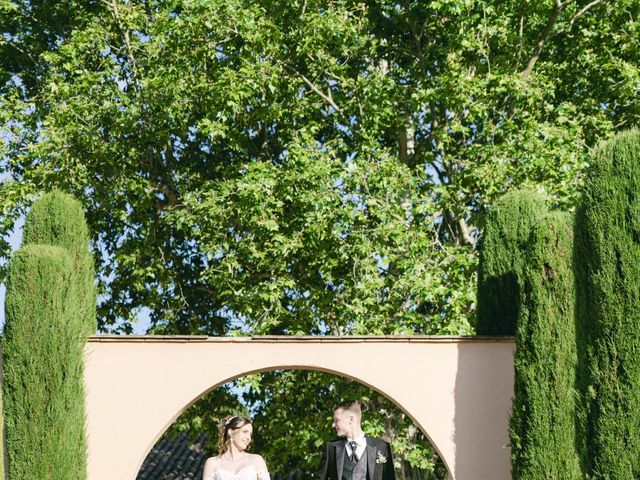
362,445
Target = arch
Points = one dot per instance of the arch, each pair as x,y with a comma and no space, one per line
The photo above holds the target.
458,390
288,367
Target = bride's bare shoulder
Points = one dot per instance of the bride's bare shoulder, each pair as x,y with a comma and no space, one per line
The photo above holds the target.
258,462
213,460
211,464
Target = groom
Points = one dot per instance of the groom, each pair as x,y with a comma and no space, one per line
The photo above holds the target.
356,457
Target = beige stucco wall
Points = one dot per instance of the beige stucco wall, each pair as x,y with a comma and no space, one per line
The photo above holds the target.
458,390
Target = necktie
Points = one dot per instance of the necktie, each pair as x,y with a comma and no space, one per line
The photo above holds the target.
353,446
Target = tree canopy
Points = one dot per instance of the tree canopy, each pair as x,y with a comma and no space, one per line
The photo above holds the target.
288,166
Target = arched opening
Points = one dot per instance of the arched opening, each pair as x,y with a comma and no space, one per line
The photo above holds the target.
291,408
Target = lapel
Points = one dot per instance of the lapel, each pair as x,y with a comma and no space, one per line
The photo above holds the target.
340,452
371,458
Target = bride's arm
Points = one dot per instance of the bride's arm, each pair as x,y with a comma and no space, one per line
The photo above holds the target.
261,468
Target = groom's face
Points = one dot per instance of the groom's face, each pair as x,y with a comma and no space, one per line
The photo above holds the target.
342,422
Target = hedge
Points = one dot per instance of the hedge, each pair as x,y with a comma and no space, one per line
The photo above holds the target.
50,311
543,429
502,258
58,219
43,364
608,249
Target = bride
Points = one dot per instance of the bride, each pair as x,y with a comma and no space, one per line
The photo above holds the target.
233,462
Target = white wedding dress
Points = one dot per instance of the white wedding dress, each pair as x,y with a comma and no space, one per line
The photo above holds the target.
245,473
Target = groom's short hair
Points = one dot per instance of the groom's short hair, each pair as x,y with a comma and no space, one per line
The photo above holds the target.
352,406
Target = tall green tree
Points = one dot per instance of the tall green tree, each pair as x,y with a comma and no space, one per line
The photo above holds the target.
50,311
43,364
544,414
4,447
503,258
609,320
58,219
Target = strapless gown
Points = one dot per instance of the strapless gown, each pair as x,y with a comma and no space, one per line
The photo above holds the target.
245,473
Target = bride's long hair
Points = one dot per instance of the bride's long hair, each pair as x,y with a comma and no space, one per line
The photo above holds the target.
230,422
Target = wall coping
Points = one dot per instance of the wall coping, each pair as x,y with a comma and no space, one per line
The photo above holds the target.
305,338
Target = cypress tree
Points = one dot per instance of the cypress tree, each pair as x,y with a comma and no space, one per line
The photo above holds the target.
502,258
45,342
43,364
609,248
58,219
2,439
543,430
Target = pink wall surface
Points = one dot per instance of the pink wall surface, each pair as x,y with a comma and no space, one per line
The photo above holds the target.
458,390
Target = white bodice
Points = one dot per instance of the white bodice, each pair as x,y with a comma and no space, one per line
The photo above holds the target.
245,473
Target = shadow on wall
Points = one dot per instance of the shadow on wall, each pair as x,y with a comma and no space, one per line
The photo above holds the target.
480,395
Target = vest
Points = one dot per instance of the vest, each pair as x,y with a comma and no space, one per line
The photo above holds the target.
355,471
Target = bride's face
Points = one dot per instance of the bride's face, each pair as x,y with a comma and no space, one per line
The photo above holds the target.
241,436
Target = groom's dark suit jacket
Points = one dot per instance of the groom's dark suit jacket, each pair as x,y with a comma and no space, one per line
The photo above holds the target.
379,460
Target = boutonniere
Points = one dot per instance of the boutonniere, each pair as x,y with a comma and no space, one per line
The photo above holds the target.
380,458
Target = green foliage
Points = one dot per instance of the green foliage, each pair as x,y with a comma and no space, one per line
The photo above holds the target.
58,219
543,421
43,364
143,106
3,443
502,260
319,246
609,248
32,28
302,427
